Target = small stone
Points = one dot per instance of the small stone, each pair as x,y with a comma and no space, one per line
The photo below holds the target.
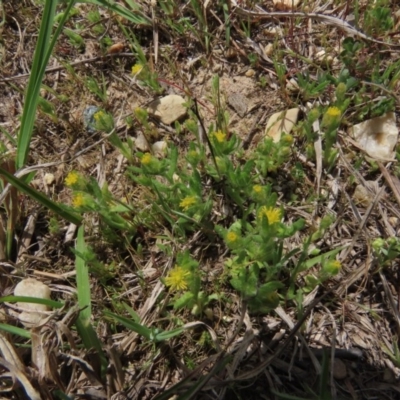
293,86
377,136
49,179
32,314
271,31
339,369
250,73
141,142
160,148
268,49
168,109
239,103
324,59
286,4
281,122
88,118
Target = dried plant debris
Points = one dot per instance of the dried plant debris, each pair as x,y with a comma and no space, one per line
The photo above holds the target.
176,250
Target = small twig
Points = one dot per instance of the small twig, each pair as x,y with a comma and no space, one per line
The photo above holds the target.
328,19
61,67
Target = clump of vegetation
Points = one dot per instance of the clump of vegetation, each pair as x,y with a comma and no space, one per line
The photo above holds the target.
204,260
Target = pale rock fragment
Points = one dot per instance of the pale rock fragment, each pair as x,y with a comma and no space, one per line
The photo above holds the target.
49,179
323,58
239,103
281,122
160,148
268,49
168,109
292,86
32,314
286,4
141,142
377,136
250,73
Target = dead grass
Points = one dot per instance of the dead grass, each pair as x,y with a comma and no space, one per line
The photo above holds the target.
230,354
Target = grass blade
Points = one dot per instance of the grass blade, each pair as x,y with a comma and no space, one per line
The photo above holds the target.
136,17
32,94
58,209
83,324
43,50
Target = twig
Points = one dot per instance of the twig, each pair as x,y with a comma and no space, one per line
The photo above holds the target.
61,67
328,19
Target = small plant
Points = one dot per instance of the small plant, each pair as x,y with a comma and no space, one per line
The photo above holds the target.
185,279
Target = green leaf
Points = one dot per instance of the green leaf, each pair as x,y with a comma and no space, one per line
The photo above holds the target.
59,209
14,330
319,259
43,50
132,325
186,300
85,329
134,16
246,281
29,299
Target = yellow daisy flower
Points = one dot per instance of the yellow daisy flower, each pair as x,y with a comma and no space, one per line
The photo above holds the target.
78,200
333,112
146,159
136,69
72,178
177,278
219,136
272,214
232,237
100,115
188,202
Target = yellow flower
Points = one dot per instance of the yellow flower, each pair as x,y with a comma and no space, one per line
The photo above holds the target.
333,112
232,237
257,188
188,202
272,214
72,178
78,200
140,113
220,136
331,116
99,116
146,159
176,278
332,267
136,69
287,139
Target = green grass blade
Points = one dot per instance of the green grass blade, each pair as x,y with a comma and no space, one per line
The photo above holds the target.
136,16
58,209
320,258
28,299
43,50
130,324
14,330
82,279
32,94
85,329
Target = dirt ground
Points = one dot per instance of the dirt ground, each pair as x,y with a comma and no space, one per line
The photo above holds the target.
338,350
